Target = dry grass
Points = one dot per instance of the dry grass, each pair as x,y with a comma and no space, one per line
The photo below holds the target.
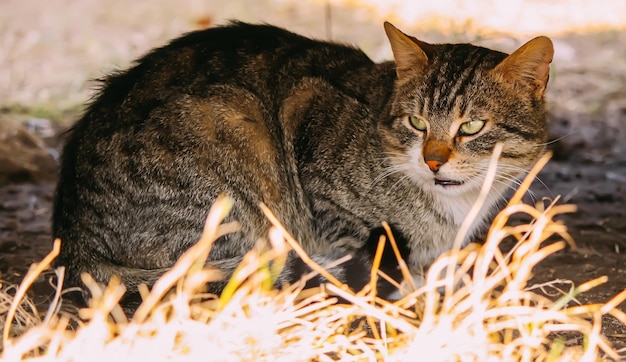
474,306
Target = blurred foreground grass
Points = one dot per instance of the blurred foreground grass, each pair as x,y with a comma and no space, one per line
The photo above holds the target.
474,305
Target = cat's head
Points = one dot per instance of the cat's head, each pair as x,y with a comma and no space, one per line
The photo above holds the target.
453,103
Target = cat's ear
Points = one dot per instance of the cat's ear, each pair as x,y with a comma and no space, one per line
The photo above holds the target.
408,52
530,64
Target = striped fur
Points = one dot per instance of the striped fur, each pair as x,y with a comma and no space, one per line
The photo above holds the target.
315,130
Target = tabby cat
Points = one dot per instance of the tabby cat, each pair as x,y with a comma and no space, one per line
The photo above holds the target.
333,143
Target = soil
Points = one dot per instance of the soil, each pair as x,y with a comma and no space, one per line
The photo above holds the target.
588,169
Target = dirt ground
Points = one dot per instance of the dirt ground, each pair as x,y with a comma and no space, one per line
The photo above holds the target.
587,98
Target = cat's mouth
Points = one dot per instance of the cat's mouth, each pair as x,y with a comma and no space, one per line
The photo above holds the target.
447,182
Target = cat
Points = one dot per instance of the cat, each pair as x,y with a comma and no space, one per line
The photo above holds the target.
332,142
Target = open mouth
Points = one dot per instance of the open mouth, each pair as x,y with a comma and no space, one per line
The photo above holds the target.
446,182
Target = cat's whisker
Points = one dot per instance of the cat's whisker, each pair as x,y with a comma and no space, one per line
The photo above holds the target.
503,178
502,168
513,183
513,180
400,180
522,171
391,170
478,182
501,197
555,140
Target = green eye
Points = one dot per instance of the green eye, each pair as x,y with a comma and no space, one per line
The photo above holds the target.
418,123
471,128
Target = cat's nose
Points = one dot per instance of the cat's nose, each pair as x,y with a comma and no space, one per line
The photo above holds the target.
436,153
434,165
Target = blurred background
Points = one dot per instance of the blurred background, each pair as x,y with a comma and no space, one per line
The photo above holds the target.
50,50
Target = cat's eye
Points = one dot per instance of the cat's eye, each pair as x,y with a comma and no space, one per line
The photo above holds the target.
472,127
418,123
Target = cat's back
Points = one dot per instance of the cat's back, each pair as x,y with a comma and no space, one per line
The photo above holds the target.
194,119
263,59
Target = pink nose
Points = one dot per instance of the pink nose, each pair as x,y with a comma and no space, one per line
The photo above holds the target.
434,165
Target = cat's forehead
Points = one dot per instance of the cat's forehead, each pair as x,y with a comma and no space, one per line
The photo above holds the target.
454,79
457,59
